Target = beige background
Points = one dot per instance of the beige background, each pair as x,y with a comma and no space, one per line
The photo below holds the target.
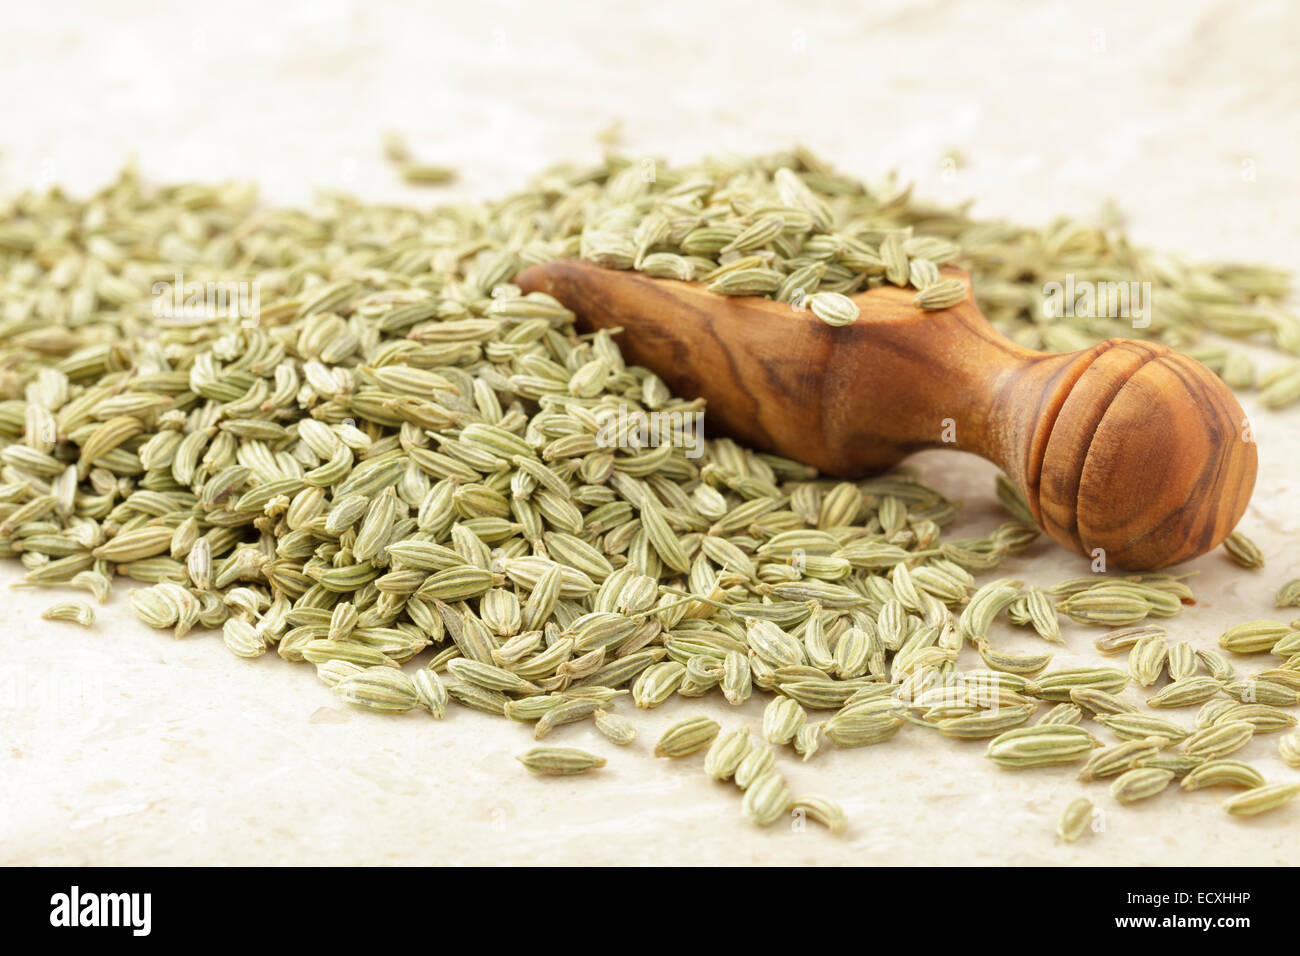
120,745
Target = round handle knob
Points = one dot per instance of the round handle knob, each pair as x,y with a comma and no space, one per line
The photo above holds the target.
1149,460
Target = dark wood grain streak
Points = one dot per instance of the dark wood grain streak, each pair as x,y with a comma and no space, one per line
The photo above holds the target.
1073,430
1125,446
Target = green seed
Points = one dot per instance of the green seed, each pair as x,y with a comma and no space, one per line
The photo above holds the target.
833,308
767,799
1218,740
79,612
821,810
378,688
1253,637
1227,773
759,761
1124,638
618,730
1121,757
1288,595
1138,726
1058,685
559,761
686,737
1261,799
861,730
1041,746
1178,764
1146,660
1075,819
726,753
1243,551
1140,784
782,719
1185,693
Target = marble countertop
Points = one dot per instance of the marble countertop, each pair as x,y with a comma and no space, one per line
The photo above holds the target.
120,745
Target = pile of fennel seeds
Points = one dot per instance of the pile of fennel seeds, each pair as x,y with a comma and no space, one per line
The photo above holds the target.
398,458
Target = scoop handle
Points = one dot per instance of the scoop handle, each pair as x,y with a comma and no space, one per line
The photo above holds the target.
1125,447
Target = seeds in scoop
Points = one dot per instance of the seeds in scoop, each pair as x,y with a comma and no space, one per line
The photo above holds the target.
559,761
833,308
942,295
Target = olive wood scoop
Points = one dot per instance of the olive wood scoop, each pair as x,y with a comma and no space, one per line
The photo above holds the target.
1126,446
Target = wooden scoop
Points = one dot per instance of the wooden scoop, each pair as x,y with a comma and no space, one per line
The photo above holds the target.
1127,446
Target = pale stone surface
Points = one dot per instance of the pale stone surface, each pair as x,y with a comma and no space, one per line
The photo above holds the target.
119,745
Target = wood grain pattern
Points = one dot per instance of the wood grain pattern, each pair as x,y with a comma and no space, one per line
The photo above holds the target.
1126,446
